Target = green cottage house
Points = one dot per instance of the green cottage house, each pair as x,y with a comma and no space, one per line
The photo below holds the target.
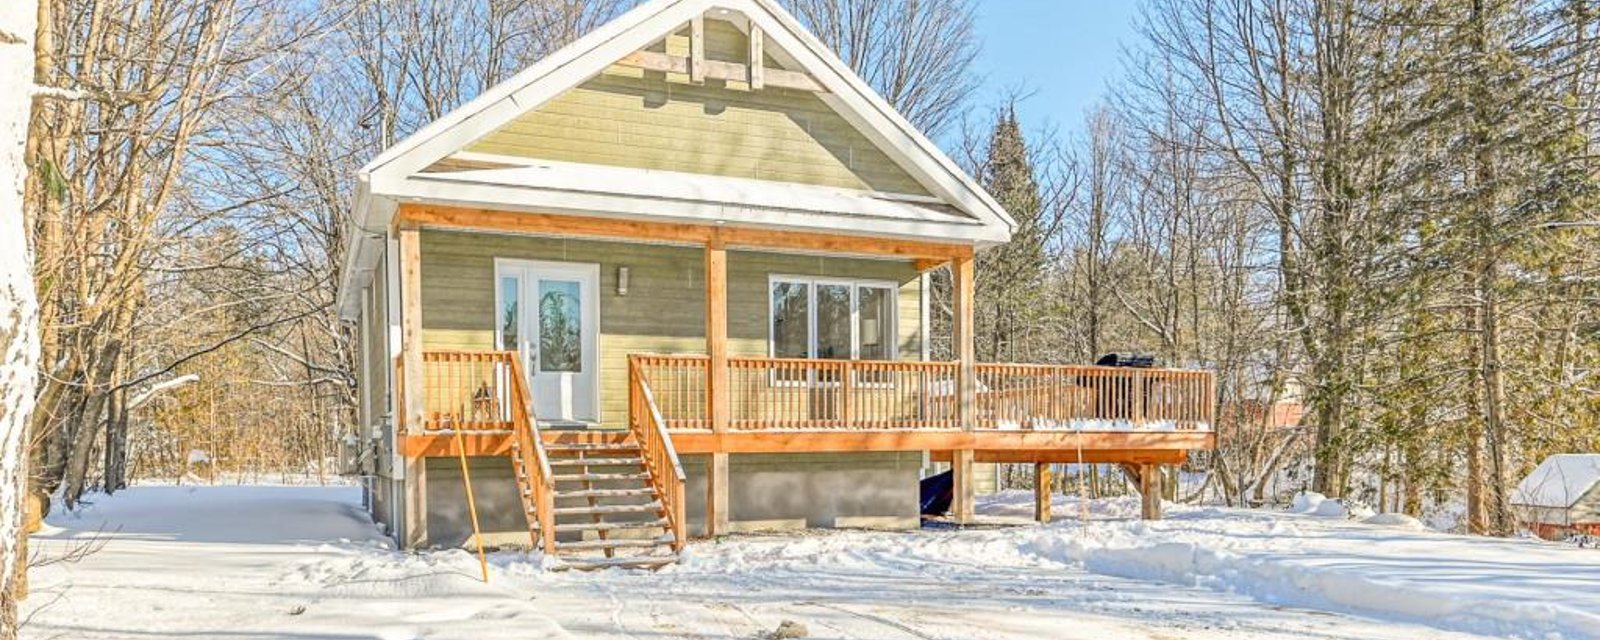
671,282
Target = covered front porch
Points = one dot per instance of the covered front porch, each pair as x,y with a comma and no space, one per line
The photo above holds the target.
714,398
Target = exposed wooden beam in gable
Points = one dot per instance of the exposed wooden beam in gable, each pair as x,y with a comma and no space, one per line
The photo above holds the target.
758,56
697,50
719,70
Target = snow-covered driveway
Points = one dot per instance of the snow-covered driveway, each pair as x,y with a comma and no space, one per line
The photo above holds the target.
246,563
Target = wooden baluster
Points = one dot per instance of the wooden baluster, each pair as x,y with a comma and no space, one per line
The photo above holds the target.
1138,392
846,413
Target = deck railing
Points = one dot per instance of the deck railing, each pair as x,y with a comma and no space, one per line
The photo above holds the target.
810,394
666,472
469,390
487,391
678,383
531,463
1045,397
475,391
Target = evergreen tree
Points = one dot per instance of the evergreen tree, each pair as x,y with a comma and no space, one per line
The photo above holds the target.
1011,278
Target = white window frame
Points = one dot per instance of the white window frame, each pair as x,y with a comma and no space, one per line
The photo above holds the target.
891,331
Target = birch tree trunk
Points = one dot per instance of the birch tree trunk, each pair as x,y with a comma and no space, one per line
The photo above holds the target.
19,335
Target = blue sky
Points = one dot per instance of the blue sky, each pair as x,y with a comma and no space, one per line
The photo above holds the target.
1064,52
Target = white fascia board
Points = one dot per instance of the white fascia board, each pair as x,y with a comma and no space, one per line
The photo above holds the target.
419,189
560,72
870,113
673,185
508,162
369,215
350,278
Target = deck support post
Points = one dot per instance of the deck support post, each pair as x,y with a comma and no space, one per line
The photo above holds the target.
717,494
416,469
962,504
962,276
1150,491
1041,492
717,516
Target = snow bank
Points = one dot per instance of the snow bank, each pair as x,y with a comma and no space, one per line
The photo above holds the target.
1312,503
1399,520
1389,566
1307,502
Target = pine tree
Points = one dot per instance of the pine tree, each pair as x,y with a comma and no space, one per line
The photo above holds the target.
1011,278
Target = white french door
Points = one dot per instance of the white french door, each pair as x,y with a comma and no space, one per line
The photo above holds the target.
548,312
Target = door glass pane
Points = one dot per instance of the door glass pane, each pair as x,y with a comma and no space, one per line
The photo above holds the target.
790,320
876,323
509,292
833,321
560,326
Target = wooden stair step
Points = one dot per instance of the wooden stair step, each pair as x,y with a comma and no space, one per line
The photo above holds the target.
610,526
589,448
601,477
620,543
605,493
648,507
624,562
597,462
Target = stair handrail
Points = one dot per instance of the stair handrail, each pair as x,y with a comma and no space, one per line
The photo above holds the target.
666,470
526,425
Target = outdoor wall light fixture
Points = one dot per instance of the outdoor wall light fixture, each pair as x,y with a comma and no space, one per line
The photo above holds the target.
622,281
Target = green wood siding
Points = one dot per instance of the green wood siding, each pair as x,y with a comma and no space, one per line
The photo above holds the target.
664,311
631,118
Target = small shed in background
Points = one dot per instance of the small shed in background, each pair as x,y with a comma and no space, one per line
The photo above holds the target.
1561,497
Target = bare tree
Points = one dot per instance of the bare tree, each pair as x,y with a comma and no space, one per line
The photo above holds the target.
917,53
19,340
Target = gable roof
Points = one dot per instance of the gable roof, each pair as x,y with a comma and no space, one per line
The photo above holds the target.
575,63
960,210
1560,481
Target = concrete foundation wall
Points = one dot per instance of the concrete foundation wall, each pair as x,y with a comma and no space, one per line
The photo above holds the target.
795,491
380,502
495,490
766,492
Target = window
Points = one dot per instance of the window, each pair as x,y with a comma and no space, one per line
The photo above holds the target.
509,287
560,326
791,320
833,319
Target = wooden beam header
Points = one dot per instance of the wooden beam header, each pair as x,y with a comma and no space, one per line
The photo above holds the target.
1167,447
469,219
758,76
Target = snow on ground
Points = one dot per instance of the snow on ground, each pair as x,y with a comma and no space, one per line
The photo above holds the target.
251,562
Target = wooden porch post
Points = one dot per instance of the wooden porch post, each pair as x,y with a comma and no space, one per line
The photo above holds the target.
416,480
1150,491
962,273
1041,492
717,382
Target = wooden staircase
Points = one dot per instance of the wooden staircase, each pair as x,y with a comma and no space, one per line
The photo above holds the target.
607,510
596,506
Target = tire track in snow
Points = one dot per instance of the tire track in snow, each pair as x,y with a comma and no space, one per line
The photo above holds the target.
887,622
